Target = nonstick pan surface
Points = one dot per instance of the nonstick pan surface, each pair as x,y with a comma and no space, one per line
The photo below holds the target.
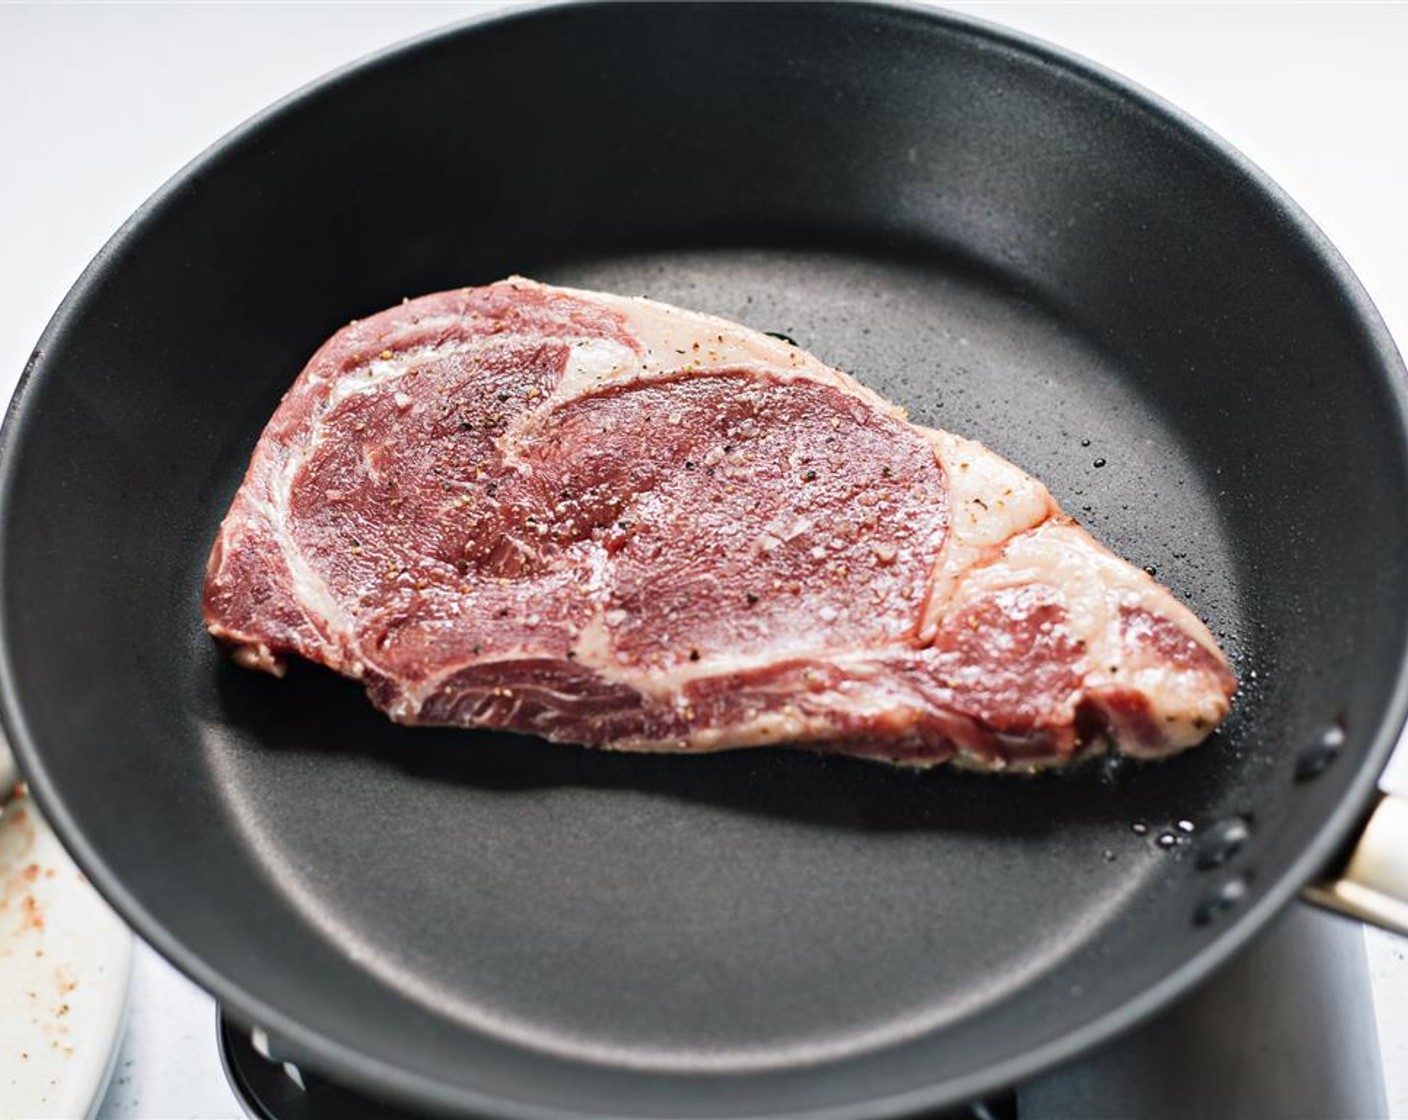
1012,244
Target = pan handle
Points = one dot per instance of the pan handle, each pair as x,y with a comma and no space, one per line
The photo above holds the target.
1370,882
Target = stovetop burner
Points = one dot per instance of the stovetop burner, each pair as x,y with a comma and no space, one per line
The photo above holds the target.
1285,1030
271,1089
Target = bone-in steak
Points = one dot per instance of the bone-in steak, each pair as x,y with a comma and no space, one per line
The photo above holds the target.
610,521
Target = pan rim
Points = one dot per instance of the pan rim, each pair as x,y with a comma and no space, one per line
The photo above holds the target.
375,1074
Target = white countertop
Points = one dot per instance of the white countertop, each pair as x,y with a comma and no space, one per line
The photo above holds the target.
99,104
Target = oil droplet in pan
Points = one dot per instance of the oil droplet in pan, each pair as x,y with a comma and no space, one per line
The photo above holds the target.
1221,900
1223,841
1316,758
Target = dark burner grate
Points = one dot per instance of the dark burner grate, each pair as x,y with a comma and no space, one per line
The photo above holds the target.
269,1092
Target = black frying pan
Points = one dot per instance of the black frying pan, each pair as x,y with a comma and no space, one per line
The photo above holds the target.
1012,243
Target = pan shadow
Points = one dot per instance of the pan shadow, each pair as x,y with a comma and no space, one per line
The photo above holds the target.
313,712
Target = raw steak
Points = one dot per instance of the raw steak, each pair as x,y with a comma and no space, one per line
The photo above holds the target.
610,521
